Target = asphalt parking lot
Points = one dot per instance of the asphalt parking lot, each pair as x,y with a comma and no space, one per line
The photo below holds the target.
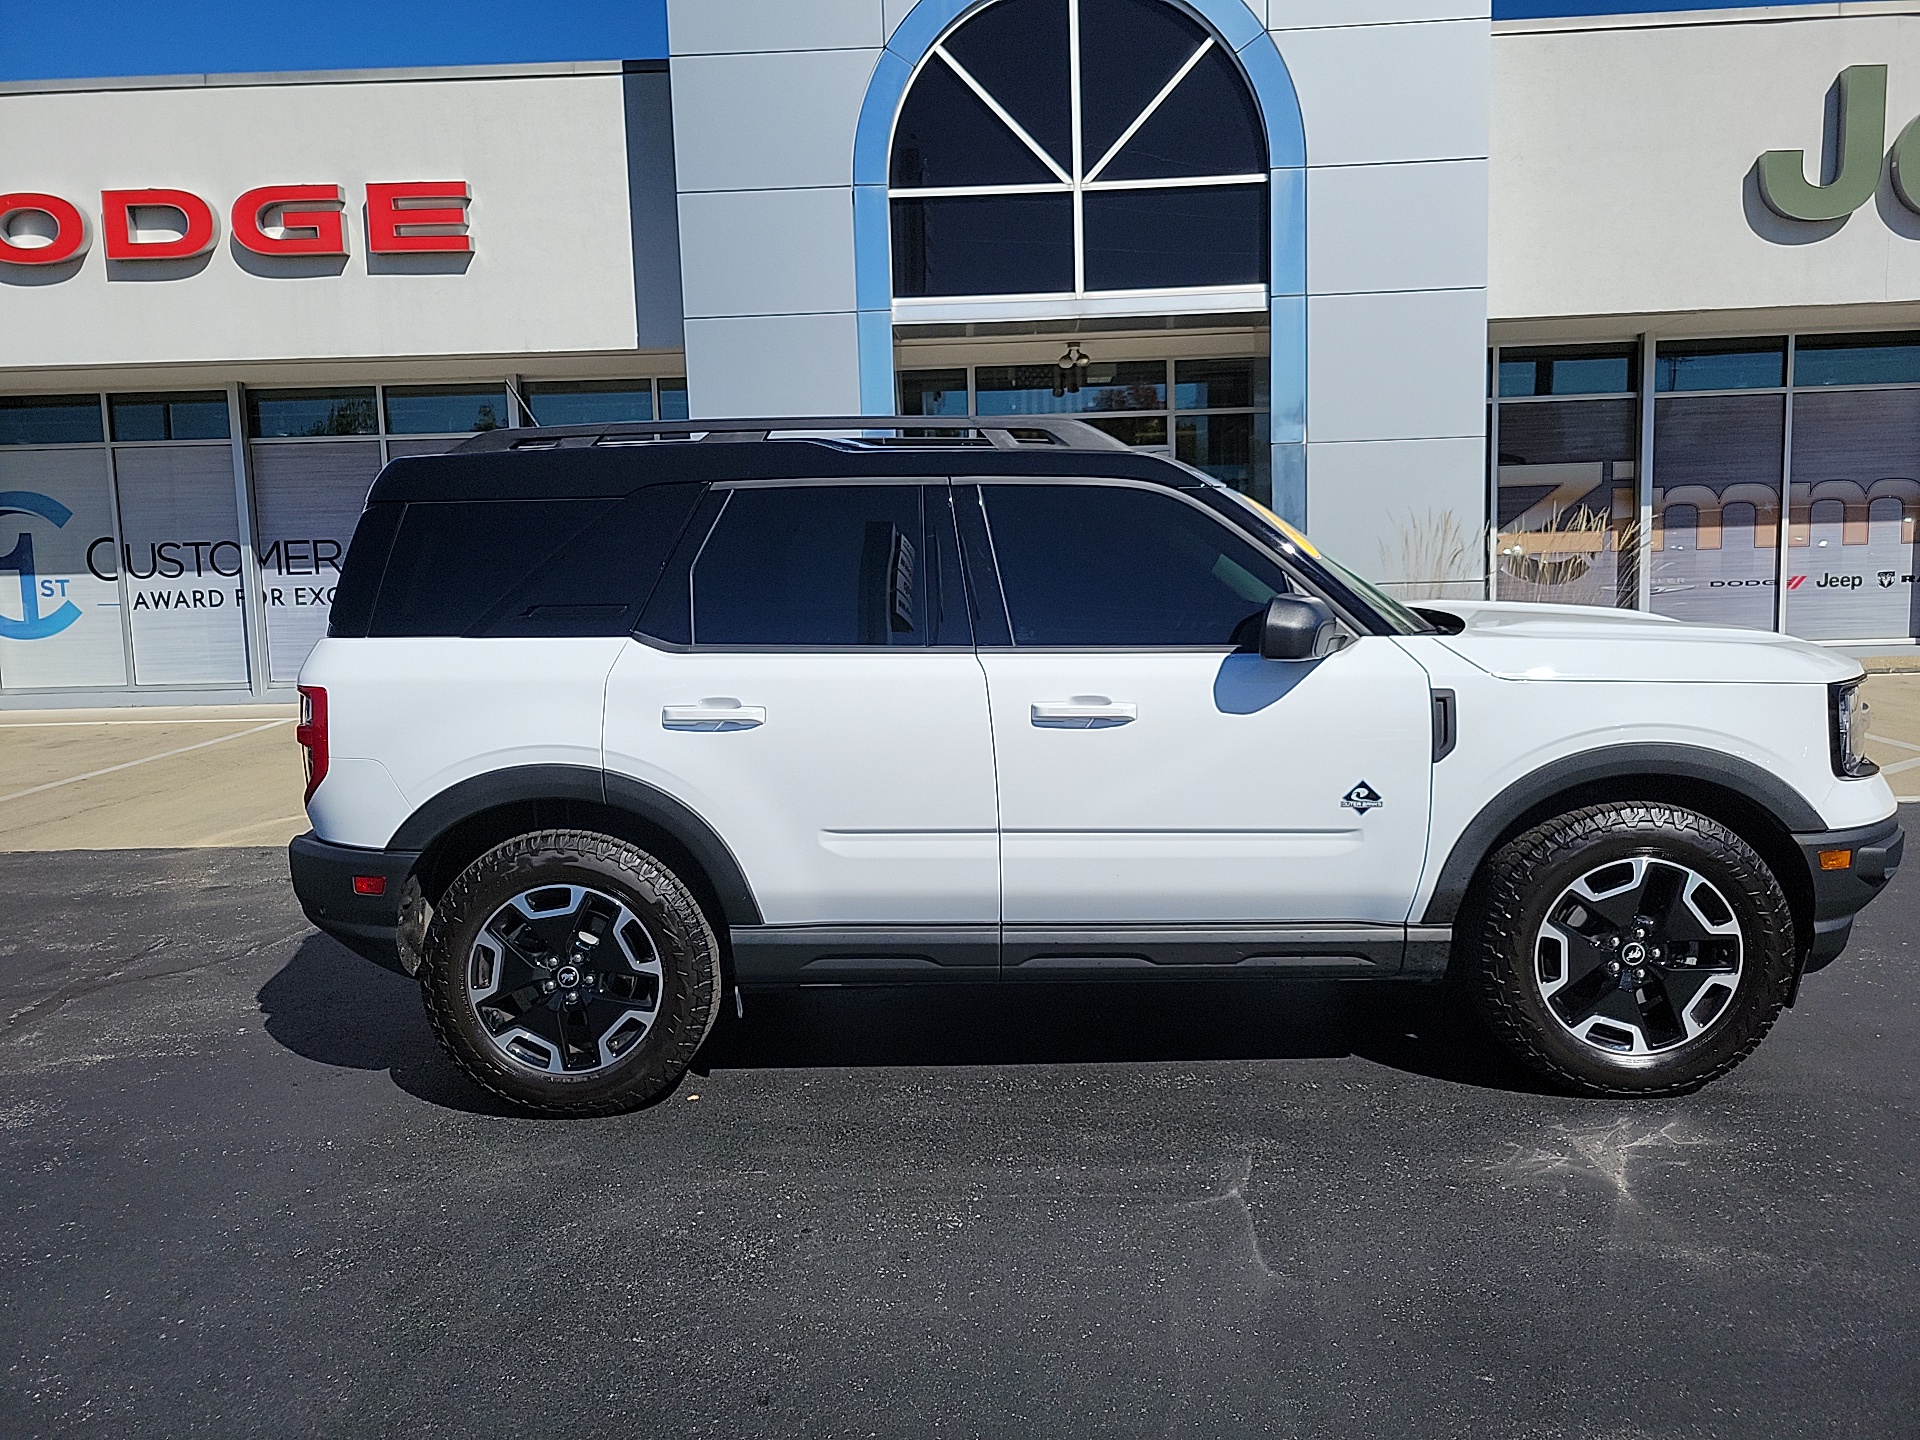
243,1194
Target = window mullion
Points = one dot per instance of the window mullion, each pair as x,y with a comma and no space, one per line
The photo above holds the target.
1079,157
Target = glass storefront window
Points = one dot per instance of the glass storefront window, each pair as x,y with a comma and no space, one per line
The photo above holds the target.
278,413
1570,370
1851,559
1219,384
1231,448
1565,480
1210,413
933,392
446,409
60,612
50,420
200,415
673,398
590,402
1028,389
185,596
1857,360
307,498
1716,508
1815,537
1720,365
1144,239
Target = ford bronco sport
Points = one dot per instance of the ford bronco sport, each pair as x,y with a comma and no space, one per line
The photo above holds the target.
610,719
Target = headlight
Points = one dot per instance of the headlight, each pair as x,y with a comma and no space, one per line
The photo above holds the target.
1848,723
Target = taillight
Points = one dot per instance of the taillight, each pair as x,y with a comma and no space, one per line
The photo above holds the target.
312,734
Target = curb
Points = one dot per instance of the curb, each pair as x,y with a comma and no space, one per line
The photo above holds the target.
1891,664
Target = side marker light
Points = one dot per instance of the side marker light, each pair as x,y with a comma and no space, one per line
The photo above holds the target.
1836,859
369,884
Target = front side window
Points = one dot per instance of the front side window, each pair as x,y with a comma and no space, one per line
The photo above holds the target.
1111,565
1075,147
820,566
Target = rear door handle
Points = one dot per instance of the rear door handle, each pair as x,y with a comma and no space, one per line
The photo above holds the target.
1084,712
713,716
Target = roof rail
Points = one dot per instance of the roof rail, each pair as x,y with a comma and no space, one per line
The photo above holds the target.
1002,432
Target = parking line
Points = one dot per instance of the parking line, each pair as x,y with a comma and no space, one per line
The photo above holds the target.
128,765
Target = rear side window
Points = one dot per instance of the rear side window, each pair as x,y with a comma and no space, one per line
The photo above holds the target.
1097,565
598,582
509,567
816,566
453,561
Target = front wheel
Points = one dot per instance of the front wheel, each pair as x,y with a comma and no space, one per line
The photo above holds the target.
571,973
1628,949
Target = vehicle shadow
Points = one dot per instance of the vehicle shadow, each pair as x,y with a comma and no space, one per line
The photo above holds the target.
1406,1027
331,1006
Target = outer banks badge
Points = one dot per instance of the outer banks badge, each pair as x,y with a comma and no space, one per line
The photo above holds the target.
1362,798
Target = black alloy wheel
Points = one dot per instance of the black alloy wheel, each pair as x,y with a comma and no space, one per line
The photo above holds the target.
564,979
1638,956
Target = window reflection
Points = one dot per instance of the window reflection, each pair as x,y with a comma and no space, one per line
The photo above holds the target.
1716,508
1566,503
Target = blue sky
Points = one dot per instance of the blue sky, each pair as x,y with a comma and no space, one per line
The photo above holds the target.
57,39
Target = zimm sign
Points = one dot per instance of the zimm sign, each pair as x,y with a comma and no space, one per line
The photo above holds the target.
408,218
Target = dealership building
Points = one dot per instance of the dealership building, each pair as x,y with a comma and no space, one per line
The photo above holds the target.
1614,309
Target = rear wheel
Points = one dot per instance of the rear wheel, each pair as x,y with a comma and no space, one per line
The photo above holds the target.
571,973
1628,949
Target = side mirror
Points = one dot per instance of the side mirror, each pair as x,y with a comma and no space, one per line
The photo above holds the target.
1299,628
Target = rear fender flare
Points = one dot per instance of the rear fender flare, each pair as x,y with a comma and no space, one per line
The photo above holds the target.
578,783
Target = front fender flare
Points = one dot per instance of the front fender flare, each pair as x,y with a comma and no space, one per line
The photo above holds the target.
1615,762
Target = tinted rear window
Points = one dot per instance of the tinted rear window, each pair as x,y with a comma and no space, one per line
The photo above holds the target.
598,582
360,573
453,561
509,567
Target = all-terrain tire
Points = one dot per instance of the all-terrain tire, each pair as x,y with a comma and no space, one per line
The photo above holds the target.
1499,969
688,959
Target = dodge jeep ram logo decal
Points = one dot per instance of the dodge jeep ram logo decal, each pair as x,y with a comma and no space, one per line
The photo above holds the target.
1363,797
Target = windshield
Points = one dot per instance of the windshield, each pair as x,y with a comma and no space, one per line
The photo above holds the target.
1298,547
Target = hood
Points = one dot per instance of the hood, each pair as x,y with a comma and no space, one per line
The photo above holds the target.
1578,642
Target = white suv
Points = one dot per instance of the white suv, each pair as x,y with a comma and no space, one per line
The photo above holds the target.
610,719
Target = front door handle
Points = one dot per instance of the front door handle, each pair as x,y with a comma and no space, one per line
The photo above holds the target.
1084,712
715,715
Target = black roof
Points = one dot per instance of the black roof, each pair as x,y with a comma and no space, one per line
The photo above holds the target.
614,460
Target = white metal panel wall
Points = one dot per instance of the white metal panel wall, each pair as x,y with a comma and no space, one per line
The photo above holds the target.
1394,94
766,199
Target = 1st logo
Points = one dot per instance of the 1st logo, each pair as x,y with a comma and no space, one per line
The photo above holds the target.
32,625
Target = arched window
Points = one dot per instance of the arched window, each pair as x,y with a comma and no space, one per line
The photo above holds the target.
1075,148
